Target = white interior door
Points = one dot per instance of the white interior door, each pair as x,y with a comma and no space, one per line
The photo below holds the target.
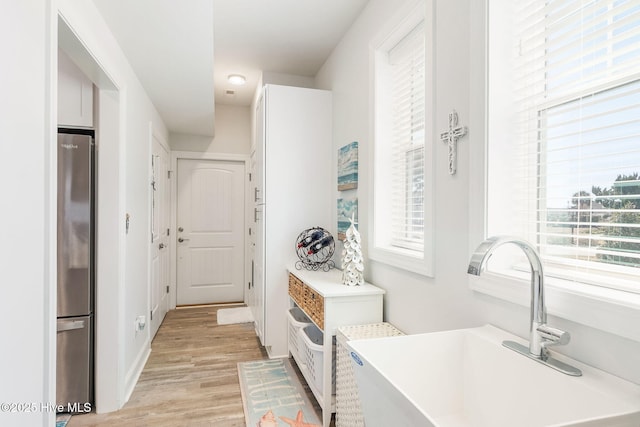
210,235
160,218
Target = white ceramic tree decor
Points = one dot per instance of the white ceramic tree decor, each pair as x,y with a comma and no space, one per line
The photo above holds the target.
352,261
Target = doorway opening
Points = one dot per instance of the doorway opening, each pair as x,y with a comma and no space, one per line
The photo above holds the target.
109,229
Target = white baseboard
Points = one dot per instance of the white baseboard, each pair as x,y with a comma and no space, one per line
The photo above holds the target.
134,373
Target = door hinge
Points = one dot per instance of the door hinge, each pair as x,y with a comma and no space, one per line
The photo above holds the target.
167,288
249,176
151,315
168,174
249,231
168,231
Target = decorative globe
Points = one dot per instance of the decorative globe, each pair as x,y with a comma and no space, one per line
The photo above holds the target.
315,247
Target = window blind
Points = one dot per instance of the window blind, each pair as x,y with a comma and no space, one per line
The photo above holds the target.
578,121
407,72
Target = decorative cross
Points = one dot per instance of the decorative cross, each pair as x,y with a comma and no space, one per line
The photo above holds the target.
451,138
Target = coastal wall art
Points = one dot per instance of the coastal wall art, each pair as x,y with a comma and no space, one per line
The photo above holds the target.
347,207
348,167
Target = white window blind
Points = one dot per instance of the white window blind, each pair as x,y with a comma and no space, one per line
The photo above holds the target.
402,226
578,135
407,74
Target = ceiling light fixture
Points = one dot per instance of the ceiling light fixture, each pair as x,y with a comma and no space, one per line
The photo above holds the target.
236,79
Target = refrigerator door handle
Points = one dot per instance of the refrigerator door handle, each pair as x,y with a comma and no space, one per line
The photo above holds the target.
69,325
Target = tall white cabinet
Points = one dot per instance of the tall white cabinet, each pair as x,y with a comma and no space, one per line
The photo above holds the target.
75,94
291,192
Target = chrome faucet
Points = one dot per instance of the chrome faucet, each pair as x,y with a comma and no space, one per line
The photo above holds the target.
541,335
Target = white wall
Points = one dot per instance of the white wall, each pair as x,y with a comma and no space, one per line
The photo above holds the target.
136,113
233,133
270,78
27,255
416,303
413,302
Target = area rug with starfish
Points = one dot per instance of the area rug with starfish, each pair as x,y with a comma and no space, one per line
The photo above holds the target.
273,396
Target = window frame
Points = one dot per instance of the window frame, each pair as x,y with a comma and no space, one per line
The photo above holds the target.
609,275
591,304
417,259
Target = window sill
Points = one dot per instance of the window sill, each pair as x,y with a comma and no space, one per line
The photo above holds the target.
403,259
613,311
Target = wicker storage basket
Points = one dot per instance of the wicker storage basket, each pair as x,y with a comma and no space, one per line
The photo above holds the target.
296,289
297,320
313,303
307,299
348,409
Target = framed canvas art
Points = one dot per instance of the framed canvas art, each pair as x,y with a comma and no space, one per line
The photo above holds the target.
347,206
348,167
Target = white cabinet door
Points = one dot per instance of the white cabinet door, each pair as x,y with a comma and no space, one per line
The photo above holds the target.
75,94
297,191
259,272
255,292
160,220
259,181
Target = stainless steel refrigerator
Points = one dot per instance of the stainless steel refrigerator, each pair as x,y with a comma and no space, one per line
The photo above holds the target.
74,388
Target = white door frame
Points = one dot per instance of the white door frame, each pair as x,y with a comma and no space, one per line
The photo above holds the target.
192,155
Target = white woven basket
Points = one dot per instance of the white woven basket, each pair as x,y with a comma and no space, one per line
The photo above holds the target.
348,409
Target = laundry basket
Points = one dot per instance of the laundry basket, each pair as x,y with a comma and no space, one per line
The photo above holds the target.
312,347
348,409
297,320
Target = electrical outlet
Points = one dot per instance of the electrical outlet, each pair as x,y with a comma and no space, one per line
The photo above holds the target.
140,323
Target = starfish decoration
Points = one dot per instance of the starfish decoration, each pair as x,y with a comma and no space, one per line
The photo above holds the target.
268,420
298,422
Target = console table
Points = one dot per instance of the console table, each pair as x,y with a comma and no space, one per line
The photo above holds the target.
329,304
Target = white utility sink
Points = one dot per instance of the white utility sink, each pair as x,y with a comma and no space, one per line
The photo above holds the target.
467,378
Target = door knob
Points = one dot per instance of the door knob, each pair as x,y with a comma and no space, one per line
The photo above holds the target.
180,239
180,229
161,246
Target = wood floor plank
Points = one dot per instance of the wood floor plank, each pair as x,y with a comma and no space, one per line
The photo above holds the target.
191,376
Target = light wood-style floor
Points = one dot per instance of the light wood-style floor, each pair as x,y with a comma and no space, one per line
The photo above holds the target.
191,377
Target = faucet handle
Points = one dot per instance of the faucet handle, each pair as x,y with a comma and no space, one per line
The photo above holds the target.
553,336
